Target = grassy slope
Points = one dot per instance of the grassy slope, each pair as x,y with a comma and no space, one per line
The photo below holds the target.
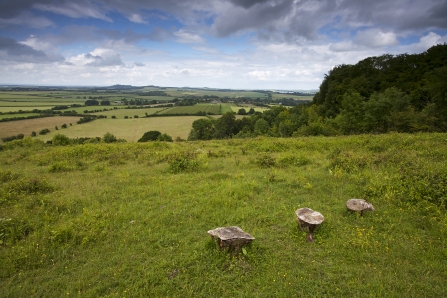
114,220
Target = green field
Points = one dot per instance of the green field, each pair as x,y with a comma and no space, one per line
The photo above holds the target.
298,97
128,129
179,92
122,112
131,219
247,108
192,110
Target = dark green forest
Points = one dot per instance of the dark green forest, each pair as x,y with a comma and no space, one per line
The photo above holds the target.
388,93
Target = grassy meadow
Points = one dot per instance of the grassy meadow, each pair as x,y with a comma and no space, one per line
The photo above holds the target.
131,219
120,113
207,108
127,129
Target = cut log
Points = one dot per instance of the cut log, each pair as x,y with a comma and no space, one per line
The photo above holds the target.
308,221
233,238
359,205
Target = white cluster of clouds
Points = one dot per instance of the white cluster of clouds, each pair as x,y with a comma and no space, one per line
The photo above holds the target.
257,44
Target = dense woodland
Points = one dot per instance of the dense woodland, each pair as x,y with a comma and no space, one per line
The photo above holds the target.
402,93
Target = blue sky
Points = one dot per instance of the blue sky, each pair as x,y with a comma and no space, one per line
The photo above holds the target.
240,44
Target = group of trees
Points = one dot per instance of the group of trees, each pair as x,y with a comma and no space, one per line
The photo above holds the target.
403,93
414,86
278,121
155,135
94,102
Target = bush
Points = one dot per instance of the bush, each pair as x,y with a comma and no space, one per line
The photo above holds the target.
164,138
20,136
266,161
33,134
61,140
85,119
183,162
109,138
44,131
64,125
150,136
9,139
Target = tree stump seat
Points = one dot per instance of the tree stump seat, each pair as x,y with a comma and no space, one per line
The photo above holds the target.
359,205
233,238
308,221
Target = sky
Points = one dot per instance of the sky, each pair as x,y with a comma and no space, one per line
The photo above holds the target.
237,44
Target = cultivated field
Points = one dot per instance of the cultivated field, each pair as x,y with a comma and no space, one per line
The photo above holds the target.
178,92
192,110
26,127
120,113
247,108
128,129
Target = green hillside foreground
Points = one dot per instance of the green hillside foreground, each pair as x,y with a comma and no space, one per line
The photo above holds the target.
131,219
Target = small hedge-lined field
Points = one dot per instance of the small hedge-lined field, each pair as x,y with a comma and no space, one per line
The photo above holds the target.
193,110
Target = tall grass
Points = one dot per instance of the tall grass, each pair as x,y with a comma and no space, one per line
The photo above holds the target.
130,219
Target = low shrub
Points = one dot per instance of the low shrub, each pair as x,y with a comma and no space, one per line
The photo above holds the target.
183,162
9,139
109,138
266,161
44,131
164,138
13,230
30,186
61,140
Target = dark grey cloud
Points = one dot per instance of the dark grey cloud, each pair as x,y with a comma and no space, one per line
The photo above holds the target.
75,34
291,20
269,14
247,3
103,61
399,15
10,49
438,13
101,9
285,20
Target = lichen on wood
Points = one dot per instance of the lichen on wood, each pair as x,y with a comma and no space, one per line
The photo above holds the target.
308,221
233,238
359,205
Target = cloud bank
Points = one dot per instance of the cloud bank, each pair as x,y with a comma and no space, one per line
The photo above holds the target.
279,44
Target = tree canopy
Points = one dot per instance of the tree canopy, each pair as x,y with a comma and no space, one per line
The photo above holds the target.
401,93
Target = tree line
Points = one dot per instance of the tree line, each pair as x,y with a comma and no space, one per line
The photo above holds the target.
401,93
